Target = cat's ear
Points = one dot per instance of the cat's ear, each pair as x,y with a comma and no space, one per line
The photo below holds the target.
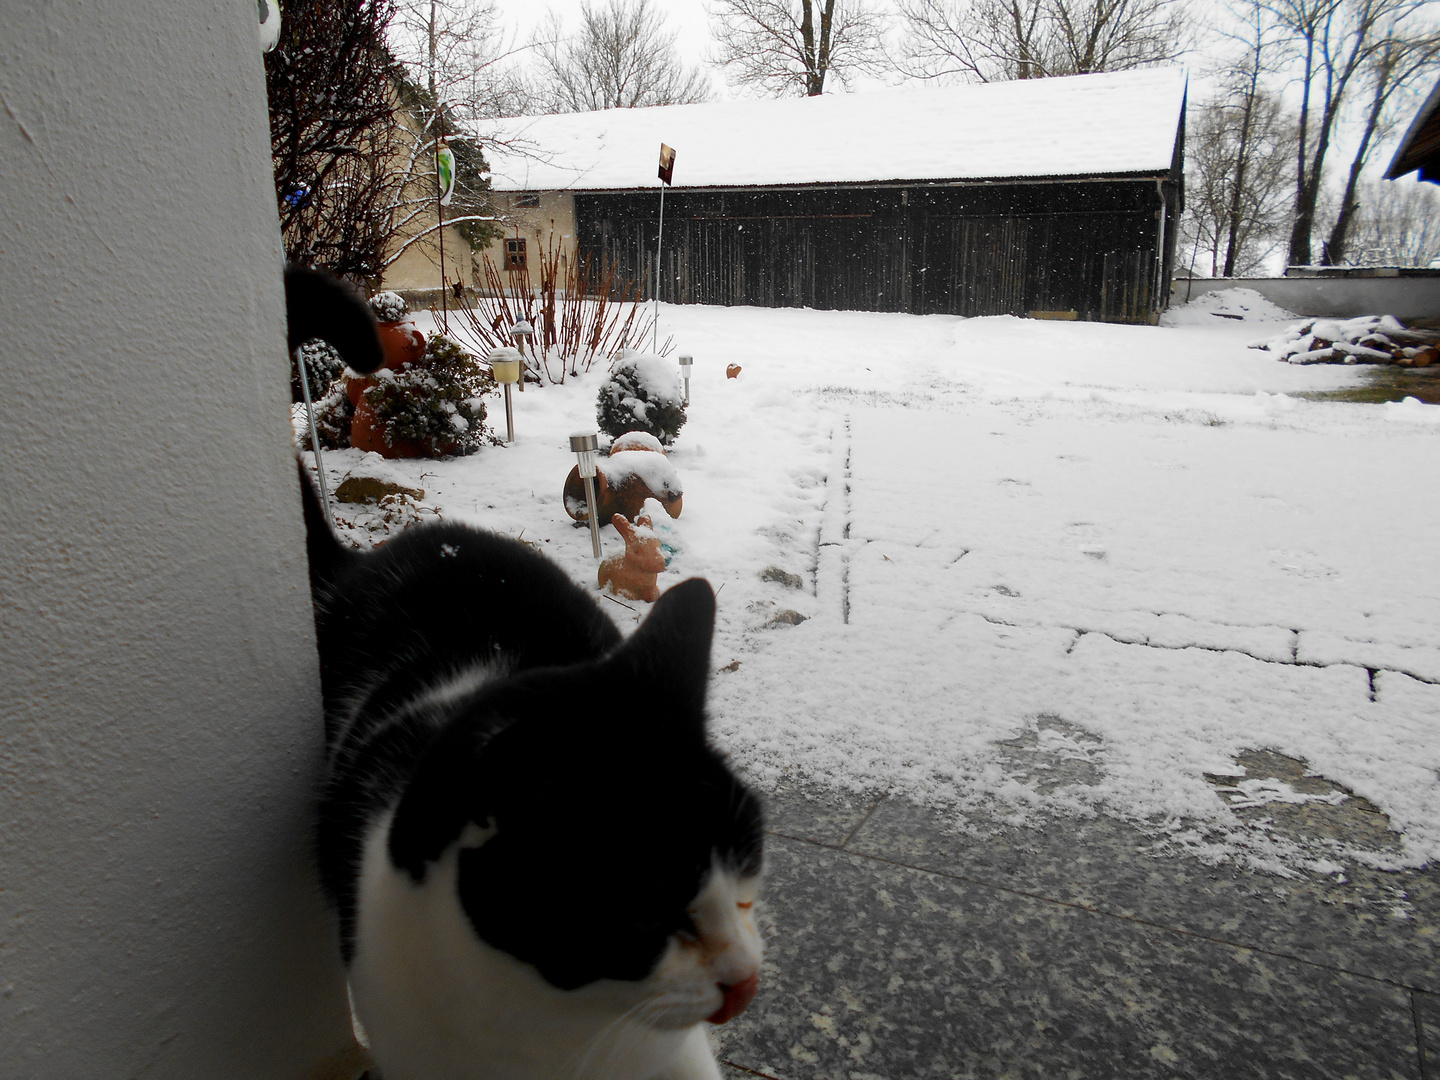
670,653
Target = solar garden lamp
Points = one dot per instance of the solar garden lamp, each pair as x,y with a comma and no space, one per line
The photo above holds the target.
585,444
505,366
686,363
522,332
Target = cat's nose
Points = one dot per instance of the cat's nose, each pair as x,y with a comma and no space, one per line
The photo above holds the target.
737,997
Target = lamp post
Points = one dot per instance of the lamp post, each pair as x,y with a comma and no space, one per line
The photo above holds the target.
505,366
522,332
584,444
686,363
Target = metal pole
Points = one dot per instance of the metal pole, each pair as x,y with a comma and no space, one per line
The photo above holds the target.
655,338
509,416
1160,300
593,512
314,437
440,217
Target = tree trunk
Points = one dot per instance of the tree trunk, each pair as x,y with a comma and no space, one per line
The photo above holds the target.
814,79
1237,191
1333,252
1298,253
826,22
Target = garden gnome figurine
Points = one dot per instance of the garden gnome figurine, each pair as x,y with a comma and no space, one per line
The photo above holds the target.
633,574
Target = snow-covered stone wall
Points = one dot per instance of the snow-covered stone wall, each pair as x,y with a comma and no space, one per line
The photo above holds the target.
159,722
1407,298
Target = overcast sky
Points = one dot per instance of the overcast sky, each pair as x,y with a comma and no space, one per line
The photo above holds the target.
691,24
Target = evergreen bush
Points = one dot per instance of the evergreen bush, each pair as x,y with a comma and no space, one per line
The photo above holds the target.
322,364
333,413
388,306
437,403
641,393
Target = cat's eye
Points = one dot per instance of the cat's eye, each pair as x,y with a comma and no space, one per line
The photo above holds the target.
744,905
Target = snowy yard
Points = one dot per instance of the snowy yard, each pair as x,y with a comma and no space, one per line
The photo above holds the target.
1127,544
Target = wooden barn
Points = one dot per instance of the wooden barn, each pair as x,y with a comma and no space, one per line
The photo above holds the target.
1055,198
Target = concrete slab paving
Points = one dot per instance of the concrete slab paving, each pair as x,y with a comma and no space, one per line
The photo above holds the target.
899,947
1380,925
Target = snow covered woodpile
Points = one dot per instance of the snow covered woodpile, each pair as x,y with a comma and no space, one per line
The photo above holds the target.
1370,339
1035,196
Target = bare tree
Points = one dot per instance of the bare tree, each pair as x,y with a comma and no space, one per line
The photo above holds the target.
622,57
1336,42
328,83
785,46
1238,163
1396,223
459,52
996,40
1392,67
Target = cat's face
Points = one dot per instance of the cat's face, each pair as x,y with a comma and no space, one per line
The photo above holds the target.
629,861
598,838
712,971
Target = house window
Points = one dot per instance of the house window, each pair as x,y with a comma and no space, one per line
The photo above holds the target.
515,254
529,199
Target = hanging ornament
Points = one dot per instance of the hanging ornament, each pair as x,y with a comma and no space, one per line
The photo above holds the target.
269,24
445,165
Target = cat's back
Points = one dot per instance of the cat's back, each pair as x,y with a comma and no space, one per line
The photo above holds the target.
445,597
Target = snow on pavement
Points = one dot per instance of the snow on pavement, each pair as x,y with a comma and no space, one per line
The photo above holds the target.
1001,527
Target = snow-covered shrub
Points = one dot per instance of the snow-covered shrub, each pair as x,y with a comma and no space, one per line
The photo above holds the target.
642,393
322,363
437,403
366,525
388,306
333,413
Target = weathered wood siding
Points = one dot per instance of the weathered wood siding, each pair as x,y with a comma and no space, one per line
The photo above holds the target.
980,250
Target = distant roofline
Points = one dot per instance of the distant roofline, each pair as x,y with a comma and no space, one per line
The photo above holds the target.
1108,125
1078,178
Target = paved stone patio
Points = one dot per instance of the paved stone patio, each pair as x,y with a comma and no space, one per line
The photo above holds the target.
900,948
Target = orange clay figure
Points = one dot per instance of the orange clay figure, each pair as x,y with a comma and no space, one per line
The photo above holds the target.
633,574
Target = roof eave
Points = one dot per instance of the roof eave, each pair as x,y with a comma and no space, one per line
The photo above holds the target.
1408,157
1077,178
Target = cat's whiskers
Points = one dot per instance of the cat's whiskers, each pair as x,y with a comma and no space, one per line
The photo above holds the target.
612,1036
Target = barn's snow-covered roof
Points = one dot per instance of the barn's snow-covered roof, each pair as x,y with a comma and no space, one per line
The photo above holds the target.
1084,125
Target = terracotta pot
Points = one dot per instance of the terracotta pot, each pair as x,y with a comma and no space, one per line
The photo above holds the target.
626,499
402,342
355,389
368,435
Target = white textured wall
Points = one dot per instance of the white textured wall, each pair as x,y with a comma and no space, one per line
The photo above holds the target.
159,715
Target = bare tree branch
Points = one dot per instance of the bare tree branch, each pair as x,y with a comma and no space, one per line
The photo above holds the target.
776,46
328,83
621,57
1335,42
997,40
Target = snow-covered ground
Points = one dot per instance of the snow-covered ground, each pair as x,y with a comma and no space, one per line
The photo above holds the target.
1128,543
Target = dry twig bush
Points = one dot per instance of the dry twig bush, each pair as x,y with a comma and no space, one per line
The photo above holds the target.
581,309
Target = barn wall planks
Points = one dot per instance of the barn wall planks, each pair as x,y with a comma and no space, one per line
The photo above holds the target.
979,250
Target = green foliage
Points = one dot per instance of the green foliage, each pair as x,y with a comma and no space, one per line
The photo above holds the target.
388,307
333,413
437,403
641,395
322,364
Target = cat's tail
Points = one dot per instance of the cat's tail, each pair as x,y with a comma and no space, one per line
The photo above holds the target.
328,556
320,306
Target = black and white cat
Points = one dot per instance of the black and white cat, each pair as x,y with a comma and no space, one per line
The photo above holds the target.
541,867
